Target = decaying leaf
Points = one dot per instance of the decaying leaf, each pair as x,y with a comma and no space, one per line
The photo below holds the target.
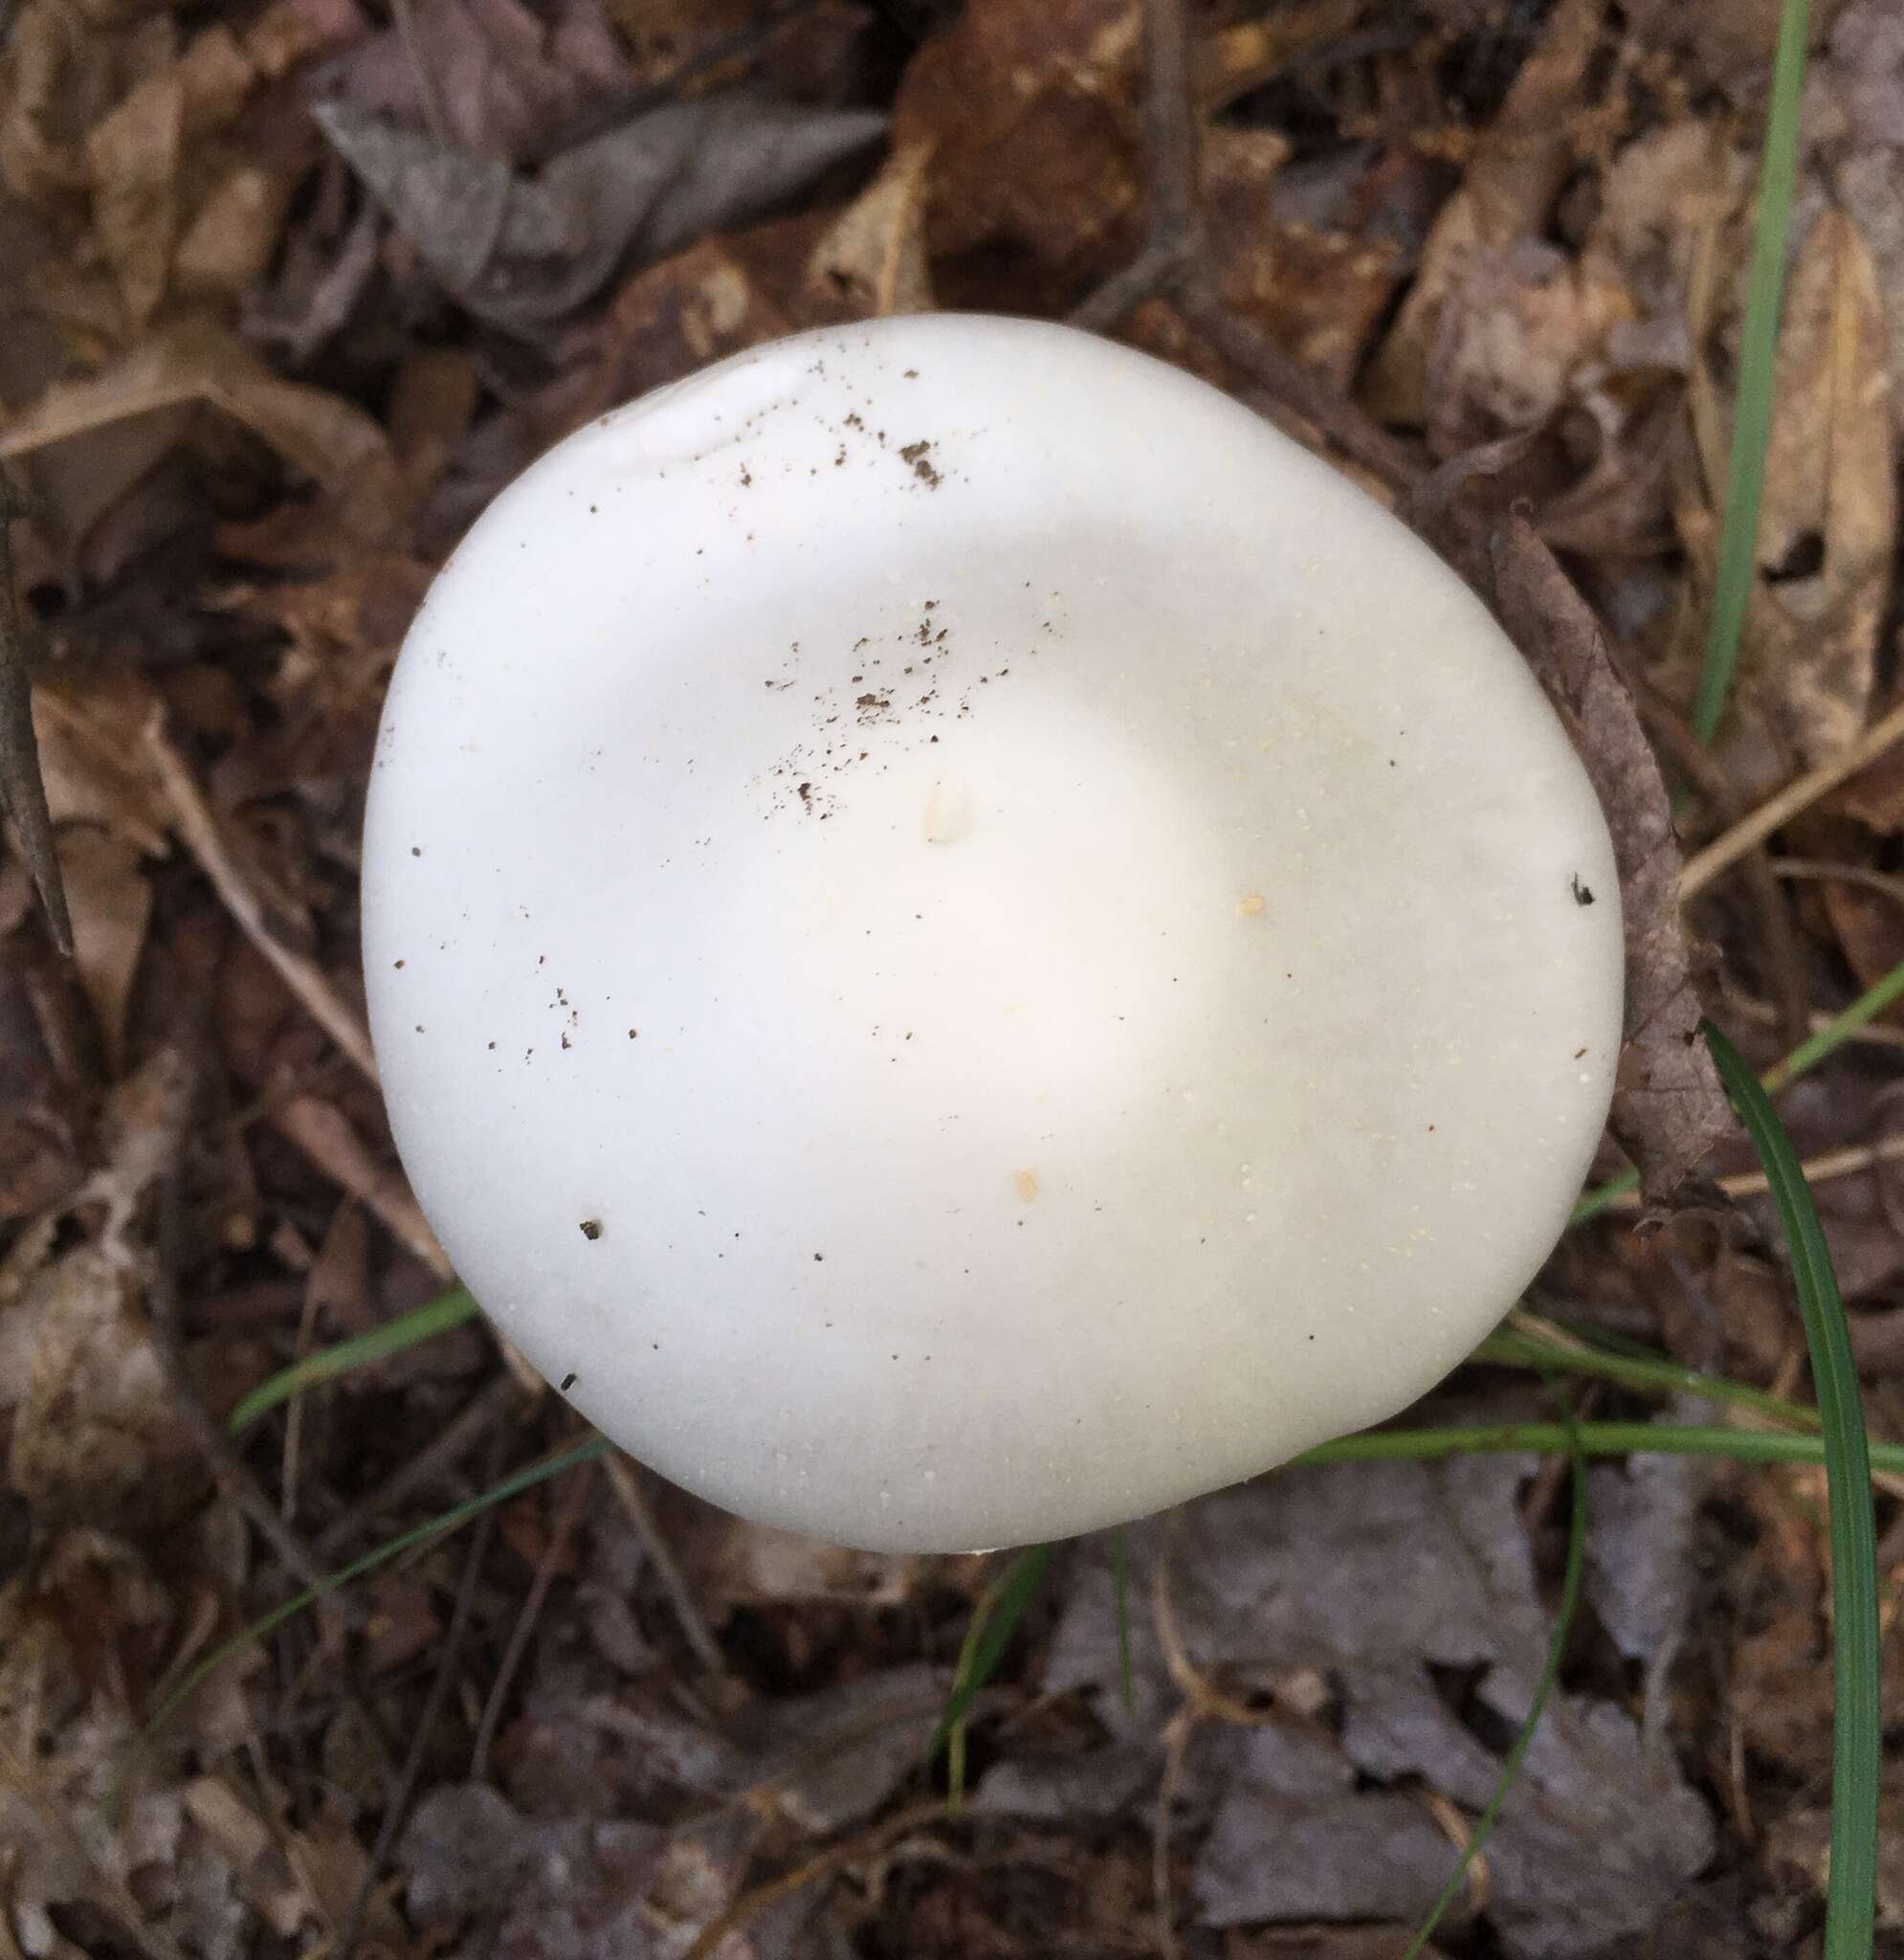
22,783
1317,291
112,905
1385,1581
228,243
1029,111
578,1885
874,258
322,436
1510,184
89,750
1827,531
134,154
94,1436
1668,1108
521,250
494,75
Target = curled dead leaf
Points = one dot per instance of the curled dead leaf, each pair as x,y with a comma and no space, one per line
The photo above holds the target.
874,256
521,250
323,438
1668,1108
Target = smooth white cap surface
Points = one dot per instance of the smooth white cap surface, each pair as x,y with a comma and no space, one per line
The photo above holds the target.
966,943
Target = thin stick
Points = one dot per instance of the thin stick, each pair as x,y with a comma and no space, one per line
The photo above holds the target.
1726,850
1174,237
1887,885
711,1936
1288,384
694,1630
1847,1162
198,830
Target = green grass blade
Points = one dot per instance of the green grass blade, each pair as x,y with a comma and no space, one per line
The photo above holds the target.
1757,356
1509,1347
1596,1439
455,1516
1850,1886
1557,1649
1801,1060
448,1310
1839,1028
1121,1585
994,1620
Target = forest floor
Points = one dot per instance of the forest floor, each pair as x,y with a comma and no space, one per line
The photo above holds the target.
290,289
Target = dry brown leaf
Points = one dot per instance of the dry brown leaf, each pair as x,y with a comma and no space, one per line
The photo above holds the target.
729,1562
1874,797
135,153
1517,328
1316,293
432,404
289,32
59,75
322,436
874,258
1869,928
1511,180
1830,503
1668,1108
230,242
1242,58
96,1438
89,753
134,157
111,903
677,316
1035,167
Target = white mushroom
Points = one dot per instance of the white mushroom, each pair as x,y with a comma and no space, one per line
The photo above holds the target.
966,943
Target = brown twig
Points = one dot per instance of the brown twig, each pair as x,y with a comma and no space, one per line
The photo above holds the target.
750,1903
1798,796
568,1512
198,829
1177,1733
1174,237
626,1488
22,787
1173,259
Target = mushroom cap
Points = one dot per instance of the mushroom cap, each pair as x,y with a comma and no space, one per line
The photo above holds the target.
966,943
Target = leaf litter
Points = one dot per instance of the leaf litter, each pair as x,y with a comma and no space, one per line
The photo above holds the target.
296,287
